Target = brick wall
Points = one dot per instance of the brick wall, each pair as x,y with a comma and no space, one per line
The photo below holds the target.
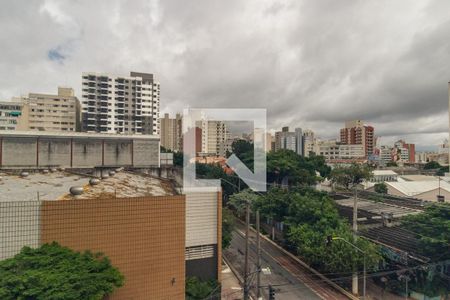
143,237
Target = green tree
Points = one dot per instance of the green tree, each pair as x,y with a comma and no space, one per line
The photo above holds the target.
442,170
239,200
310,217
432,165
197,289
349,176
228,226
229,183
244,151
53,272
433,230
286,164
381,188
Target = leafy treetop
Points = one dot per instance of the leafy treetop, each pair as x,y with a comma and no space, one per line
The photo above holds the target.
53,272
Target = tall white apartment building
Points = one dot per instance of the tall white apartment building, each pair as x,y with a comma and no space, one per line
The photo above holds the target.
121,104
215,137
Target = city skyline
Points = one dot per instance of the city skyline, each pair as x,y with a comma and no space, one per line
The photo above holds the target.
378,73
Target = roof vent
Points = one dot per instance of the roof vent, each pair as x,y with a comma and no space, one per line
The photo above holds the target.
76,190
94,181
24,174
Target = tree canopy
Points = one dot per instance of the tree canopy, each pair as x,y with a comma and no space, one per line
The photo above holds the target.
310,217
227,227
381,188
348,176
432,165
433,230
244,151
197,289
297,170
53,272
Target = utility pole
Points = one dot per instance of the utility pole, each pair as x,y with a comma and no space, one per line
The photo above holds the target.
355,237
247,225
258,258
406,286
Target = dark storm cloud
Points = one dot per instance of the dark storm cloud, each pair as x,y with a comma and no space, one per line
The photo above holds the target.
312,64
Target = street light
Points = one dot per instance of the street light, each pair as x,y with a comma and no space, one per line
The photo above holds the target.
331,238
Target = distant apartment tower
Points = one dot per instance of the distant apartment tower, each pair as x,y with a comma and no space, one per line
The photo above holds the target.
121,104
356,133
404,151
269,141
171,132
49,112
285,139
9,114
308,142
215,137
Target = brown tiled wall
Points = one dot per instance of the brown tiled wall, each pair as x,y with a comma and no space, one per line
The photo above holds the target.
143,237
219,236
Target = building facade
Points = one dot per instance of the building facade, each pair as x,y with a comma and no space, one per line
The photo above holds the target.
171,132
121,104
334,151
308,142
215,138
31,150
49,112
9,114
285,139
357,133
269,141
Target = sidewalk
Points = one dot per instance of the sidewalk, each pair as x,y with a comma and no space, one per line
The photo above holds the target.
231,289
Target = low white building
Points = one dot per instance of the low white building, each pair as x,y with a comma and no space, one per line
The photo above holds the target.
384,175
333,150
425,190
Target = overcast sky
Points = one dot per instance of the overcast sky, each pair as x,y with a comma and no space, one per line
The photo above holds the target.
312,64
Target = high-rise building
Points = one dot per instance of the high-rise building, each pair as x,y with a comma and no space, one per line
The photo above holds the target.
269,141
404,152
308,142
285,139
357,133
299,141
215,137
9,114
49,112
171,132
121,104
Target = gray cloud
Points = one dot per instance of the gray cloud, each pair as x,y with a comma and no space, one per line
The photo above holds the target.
312,64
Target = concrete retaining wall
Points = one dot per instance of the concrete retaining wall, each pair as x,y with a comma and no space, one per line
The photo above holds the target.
36,150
